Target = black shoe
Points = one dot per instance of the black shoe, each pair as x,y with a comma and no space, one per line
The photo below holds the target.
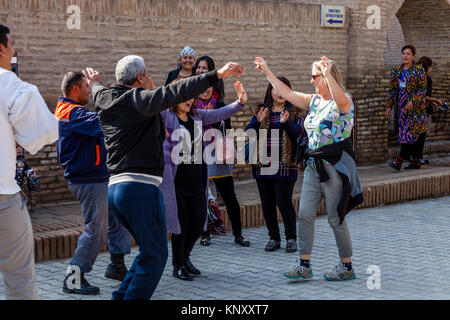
85,287
424,161
182,273
240,240
191,268
272,245
205,241
116,270
396,165
291,245
413,165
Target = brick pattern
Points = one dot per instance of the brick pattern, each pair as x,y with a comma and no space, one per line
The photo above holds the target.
395,43
286,33
389,237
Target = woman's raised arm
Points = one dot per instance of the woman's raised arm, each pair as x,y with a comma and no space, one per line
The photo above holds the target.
298,99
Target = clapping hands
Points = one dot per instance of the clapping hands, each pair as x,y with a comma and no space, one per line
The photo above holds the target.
262,114
242,95
284,116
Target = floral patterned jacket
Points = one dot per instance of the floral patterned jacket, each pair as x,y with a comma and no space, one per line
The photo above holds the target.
416,84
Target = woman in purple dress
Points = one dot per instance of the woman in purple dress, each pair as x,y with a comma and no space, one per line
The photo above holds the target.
407,97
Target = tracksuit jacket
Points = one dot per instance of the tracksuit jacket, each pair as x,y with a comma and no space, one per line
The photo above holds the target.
80,147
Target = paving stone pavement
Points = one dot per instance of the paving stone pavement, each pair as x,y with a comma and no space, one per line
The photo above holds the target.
67,215
408,243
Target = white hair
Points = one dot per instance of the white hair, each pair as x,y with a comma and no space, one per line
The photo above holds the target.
128,68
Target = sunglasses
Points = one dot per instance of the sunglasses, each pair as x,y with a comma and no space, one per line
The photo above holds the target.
315,76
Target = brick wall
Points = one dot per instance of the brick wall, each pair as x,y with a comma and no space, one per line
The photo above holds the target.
395,43
428,29
286,33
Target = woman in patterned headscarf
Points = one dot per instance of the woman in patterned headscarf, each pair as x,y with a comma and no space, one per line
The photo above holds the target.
407,97
185,65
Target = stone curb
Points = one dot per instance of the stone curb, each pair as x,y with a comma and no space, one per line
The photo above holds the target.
375,194
58,244
432,149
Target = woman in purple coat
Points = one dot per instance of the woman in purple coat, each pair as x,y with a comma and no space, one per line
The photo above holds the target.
185,179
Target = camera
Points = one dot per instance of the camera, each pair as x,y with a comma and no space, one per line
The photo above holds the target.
444,107
15,64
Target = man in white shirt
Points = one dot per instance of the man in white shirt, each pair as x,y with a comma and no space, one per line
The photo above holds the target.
25,119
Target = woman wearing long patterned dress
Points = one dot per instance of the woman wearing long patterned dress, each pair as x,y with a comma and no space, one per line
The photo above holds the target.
407,97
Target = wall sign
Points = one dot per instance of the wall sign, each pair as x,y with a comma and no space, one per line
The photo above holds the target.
332,16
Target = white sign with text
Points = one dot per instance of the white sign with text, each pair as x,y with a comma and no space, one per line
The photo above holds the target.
333,16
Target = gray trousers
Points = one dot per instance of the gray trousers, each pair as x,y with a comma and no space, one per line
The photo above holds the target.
99,223
17,248
312,193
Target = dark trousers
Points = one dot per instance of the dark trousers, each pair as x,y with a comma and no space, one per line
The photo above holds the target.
278,193
140,209
410,150
192,216
421,144
225,187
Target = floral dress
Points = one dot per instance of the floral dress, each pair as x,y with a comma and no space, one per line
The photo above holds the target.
326,124
408,85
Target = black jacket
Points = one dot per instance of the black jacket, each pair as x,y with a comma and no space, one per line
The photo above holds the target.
132,126
172,76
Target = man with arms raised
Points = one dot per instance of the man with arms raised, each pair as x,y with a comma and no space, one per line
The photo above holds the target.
129,114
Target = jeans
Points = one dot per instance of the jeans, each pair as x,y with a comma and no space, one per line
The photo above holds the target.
17,248
313,191
93,198
140,208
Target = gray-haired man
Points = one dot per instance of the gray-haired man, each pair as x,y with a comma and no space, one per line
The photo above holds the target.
134,136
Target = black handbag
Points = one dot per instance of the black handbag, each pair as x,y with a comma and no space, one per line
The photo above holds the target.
24,172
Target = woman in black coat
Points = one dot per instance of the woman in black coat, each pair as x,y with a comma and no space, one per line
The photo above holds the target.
185,65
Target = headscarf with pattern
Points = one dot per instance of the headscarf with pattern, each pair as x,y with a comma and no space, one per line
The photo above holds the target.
187,50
